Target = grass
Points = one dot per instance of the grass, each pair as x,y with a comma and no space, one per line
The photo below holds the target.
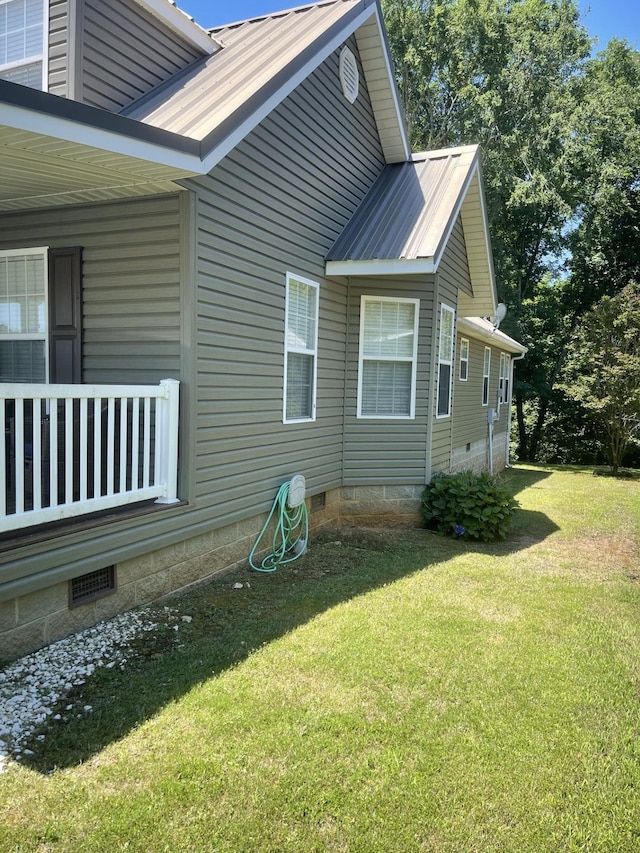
392,691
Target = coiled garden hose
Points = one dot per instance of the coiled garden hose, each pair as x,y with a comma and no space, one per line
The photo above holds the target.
289,537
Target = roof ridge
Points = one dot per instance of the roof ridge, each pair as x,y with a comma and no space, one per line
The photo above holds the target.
277,14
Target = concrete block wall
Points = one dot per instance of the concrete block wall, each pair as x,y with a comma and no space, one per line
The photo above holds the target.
32,621
386,506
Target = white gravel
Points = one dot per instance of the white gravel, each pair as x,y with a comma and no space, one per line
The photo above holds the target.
32,687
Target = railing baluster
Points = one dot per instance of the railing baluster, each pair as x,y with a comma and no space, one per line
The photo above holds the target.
147,442
19,455
36,454
111,416
97,447
135,442
53,450
122,486
83,448
68,451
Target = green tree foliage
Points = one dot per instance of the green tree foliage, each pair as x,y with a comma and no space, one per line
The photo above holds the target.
561,158
603,370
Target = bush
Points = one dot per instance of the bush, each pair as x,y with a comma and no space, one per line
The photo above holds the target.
468,506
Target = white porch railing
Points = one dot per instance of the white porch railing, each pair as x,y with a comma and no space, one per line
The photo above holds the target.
70,450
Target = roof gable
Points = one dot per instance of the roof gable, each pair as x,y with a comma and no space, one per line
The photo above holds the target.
404,224
218,100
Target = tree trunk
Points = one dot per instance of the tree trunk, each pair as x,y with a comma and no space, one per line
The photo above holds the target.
522,451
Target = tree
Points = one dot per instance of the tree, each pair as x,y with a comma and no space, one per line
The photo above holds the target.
560,134
497,72
603,370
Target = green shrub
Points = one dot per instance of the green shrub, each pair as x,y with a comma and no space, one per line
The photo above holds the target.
468,506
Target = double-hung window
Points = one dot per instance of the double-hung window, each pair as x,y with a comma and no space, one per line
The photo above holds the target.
486,375
387,357
301,349
22,42
464,359
23,316
503,388
445,361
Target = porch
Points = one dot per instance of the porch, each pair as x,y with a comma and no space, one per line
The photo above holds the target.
71,450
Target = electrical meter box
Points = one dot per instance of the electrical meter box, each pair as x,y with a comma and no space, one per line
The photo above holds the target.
297,490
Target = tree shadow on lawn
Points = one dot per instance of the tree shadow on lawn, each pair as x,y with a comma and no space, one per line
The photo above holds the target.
228,623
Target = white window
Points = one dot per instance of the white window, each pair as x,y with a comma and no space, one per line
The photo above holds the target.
22,42
464,359
486,370
503,388
445,361
301,349
23,316
387,357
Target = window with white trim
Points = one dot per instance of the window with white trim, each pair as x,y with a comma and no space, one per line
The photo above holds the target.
503,388
387,357
23,315
300,349
464,359
486,375
22,42
445,361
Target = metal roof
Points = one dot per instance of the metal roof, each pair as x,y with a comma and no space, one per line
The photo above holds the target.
262,59
404,223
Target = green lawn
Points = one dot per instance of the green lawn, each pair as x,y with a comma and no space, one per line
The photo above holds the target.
391,691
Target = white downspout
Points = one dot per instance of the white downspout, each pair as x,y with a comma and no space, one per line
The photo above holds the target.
510,408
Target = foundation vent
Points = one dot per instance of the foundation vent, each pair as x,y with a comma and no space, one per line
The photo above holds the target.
91,586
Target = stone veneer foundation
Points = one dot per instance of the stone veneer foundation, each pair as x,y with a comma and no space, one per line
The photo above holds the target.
39,618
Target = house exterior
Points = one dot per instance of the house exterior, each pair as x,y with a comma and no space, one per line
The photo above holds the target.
221,265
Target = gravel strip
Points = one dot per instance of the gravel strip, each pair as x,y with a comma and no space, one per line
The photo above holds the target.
32,687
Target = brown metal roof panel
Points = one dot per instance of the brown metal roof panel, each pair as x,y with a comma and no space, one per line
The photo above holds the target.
408,212
254,52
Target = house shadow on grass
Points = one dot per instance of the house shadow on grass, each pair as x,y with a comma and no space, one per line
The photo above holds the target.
228,622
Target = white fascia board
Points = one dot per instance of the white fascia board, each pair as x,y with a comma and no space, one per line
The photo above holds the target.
56,127
167,12
444,152
229,143
398,266
484,331
392,85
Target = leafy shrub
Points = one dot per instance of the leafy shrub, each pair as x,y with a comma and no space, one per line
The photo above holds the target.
468,506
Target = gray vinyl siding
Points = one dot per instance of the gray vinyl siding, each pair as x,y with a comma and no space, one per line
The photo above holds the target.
275,205
131,282
58,47
126,53
453,275
454,265
470,424
470,416
381,451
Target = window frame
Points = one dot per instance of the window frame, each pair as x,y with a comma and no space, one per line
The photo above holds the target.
464,359
43,252
445,362
486,376
313,352
42,57
412,360
503,382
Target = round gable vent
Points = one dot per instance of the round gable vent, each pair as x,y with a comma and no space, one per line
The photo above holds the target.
349,76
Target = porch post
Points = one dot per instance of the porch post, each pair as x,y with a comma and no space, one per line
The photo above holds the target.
167,440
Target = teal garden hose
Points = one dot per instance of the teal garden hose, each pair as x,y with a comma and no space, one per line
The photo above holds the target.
290,536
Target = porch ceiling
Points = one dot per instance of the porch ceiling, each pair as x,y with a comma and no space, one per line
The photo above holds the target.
43,171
